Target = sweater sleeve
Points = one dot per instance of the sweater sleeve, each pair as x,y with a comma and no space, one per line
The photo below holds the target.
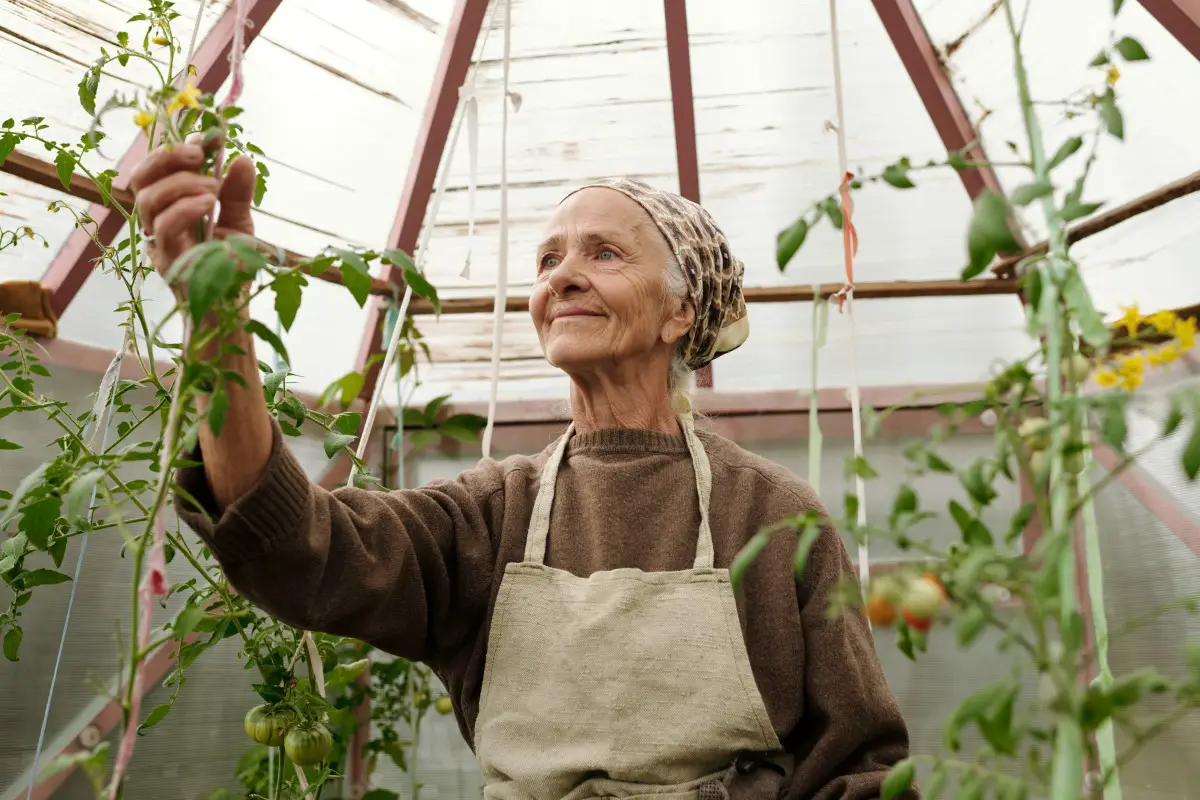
853,730
408,571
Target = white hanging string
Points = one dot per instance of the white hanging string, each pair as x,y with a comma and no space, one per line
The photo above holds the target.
472,116
419,261
860,488
502,267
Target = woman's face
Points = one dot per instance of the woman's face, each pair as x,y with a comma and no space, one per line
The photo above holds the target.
599,299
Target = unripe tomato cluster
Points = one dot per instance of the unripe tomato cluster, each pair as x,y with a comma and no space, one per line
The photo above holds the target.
305,743
915,600
1035,433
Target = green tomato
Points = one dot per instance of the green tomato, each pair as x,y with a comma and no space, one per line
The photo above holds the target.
308,745
444,704
267,725
1077,368
1036,432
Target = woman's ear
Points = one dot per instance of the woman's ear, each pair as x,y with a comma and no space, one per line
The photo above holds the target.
679,321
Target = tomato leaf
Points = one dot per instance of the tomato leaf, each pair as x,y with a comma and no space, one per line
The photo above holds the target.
1114,121
335,442
897,175
1131,49
218,404
348,422
88,85
1117,6
989,233
789,242
937,783
267,335
154,717
970,624
899,780
463,427
12,643
422,287
79,495
420,439
5,444
1026,194
833,210
1079,301
287,287
355,275
191,615
64,165
38,520
744,558
8,143
211,276
1191,451
43,577
272,382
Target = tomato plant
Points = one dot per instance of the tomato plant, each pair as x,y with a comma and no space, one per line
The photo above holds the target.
96,482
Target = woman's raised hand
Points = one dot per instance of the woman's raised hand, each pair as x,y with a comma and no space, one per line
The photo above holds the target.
173,198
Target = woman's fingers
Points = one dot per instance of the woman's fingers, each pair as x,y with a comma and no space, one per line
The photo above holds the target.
162,162
160,195
177,224
237,196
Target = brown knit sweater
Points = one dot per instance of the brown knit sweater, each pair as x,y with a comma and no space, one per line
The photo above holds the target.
415,572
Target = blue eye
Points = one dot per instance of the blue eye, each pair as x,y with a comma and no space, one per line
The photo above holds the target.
609,254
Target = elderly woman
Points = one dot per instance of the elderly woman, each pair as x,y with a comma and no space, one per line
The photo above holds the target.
576,602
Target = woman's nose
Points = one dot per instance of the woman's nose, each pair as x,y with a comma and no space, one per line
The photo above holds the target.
567,278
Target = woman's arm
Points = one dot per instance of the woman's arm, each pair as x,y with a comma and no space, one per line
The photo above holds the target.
853,731
408,571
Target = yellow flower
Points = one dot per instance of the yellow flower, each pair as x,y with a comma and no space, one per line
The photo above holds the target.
1106,378
1131,369
187,97
161,41
1185,333
1161,356
144,119
191,70
1163,321
1112,75
1131,320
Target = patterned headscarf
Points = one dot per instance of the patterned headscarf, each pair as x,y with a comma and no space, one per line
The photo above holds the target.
714,276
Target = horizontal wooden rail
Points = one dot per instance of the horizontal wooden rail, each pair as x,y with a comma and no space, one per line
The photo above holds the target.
43,173
1006,267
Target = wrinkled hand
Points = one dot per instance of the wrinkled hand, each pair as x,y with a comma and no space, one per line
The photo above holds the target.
173,198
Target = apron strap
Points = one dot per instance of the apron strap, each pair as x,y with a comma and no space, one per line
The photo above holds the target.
704,542
539,523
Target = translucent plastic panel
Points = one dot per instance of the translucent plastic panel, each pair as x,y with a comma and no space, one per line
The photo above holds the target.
1161,121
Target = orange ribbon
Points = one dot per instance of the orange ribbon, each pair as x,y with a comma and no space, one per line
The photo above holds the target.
849,239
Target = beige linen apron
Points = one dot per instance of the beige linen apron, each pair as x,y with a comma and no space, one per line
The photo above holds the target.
625,683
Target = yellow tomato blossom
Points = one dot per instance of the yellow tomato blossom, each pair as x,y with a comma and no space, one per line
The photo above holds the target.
1163,321
144,119
1131,369
161,41
1112,75
1107,378
1185,333
187,97
1131,319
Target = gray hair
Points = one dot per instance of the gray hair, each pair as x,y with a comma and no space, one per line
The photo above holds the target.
679,376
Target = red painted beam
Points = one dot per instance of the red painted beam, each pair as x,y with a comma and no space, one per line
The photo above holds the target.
1181,18
950,118
73,264
679,64
461,36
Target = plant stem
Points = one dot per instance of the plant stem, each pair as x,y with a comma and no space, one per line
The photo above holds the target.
1067,771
